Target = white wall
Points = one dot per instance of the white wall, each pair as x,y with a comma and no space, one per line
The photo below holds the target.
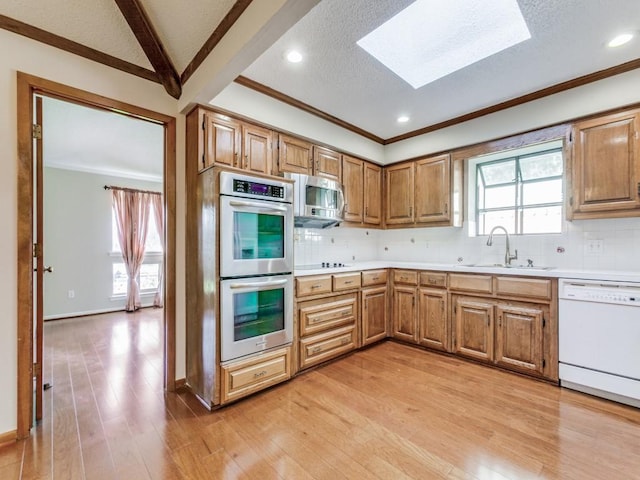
22,54
77,241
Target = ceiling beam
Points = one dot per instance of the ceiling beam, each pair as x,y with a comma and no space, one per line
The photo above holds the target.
148,39
227,22
53,40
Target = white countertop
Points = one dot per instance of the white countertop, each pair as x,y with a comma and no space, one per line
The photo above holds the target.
612,275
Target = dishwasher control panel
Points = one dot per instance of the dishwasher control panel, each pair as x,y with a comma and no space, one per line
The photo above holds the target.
600,292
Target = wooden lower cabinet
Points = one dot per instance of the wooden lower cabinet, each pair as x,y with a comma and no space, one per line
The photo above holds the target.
243,377
404,313
507,334
519,337
326,345
433,325
374,314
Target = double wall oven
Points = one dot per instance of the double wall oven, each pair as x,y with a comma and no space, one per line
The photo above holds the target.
256,264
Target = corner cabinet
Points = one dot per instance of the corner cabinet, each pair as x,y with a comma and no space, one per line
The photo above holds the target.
426,192
375,306
605,168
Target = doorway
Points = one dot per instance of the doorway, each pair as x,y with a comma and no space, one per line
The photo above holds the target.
28,88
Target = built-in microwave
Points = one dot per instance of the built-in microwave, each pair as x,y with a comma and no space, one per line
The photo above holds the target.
318,201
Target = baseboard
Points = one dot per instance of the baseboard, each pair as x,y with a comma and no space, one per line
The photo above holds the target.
62,316
8,437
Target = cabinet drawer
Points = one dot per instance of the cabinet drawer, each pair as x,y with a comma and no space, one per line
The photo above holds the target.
374,277
433,279
317,315
346,281
405,276
253,374
524,287
327,345
313,285
470,283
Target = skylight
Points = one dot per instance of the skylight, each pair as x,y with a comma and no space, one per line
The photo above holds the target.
431,39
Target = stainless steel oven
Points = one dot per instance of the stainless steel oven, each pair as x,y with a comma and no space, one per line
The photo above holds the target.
256,225
256,313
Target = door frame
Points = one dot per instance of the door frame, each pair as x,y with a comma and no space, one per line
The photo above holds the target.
28,85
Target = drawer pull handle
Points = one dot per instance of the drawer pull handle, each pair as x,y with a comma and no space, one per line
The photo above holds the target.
260,374
316,349
376,278
315,286
348,282
344,341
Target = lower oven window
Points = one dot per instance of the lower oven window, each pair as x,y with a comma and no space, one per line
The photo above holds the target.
258,313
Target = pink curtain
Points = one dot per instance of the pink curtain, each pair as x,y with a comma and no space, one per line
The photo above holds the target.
158,211
132,217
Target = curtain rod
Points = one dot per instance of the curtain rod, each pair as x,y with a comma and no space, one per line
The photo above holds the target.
112,187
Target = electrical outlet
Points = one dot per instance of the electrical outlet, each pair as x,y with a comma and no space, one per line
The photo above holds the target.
71,294
594,247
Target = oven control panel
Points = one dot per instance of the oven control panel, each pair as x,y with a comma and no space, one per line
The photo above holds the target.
257,188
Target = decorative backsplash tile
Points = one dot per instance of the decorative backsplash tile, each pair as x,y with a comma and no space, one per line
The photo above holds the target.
608,244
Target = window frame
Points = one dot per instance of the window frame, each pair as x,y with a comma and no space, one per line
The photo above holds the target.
517,206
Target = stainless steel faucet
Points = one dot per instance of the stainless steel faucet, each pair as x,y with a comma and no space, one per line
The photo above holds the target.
507,254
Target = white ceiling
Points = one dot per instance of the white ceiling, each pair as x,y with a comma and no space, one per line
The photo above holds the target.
97,141
568,41
183,27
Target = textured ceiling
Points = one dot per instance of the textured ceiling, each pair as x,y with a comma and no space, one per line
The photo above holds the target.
98,24
184,30
338,77
97,141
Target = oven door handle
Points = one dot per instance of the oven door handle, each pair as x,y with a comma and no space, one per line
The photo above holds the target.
258,284
262,206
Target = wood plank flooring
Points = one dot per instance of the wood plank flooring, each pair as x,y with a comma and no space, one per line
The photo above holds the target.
388,412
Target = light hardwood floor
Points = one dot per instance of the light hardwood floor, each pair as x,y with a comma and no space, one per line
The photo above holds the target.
388,412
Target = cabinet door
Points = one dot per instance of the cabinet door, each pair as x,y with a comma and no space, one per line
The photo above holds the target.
374,314
432,319
399,194
256,149
372,194
519,337
222,140
353,181
433,190
404,313
474,328
294,155
606,166
327,163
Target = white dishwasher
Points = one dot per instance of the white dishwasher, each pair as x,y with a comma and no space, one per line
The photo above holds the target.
599,338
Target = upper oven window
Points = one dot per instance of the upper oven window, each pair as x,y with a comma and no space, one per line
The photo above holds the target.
258,235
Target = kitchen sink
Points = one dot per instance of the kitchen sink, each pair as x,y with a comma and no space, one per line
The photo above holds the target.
502,265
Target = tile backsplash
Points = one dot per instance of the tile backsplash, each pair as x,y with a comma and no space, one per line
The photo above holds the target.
607,244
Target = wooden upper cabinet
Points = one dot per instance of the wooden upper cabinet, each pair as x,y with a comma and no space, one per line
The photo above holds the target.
605,172
256,149
294,155
327,163
353,182
399,190
372,194
433,190
222,140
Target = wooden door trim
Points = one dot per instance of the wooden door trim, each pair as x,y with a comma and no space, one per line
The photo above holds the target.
27,85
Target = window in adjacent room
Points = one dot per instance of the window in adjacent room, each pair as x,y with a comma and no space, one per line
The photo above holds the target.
522,192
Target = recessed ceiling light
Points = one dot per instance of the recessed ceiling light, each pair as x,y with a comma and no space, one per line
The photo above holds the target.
403,119
294,56
620,40
431,39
